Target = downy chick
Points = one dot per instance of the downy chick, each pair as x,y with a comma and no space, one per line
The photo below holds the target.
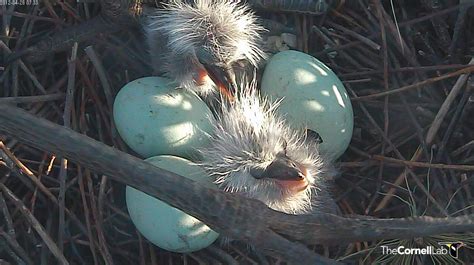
253,152
199,45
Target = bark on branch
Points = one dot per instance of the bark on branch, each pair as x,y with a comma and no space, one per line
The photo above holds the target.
331,229
231,215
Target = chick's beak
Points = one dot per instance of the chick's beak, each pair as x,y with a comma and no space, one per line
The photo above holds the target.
286,173
224,78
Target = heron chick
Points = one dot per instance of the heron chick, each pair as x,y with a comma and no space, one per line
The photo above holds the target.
253,152
200,45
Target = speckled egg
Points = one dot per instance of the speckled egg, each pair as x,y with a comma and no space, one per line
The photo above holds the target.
154,118
163,225
312,97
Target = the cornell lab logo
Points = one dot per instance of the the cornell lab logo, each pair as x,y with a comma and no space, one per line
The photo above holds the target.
453,248
445,248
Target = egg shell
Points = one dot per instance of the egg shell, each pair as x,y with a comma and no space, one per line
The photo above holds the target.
312,97
163,225
154,117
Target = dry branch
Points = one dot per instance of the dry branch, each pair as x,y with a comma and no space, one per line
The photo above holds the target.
230,215
331,229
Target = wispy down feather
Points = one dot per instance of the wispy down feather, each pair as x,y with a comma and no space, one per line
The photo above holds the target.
249,134
225,29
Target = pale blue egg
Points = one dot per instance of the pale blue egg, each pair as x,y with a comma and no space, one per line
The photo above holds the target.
312,96
163,225
154,118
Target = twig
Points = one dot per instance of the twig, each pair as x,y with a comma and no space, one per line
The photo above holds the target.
356,164
31,99
222,255
71,63
40,174
455,118
463,148
399,180
14,79
311,7
152,254
356,35
5,248
95,96
405,69
439,25
460,21
436,14
114,16
326,39
443,111
87,215
102,75
35,224
397,152
141,251
402,24
7,216
40,185
422,164
241,251
14,244
25,69
463,72
39,18
100,231
379,8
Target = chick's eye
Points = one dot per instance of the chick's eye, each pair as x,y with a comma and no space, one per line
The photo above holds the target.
256,172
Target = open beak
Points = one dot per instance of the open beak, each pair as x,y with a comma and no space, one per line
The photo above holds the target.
286,173
224,78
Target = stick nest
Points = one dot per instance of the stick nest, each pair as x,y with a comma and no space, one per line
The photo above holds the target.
405,64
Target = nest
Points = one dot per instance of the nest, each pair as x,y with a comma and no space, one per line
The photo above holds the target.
405,64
